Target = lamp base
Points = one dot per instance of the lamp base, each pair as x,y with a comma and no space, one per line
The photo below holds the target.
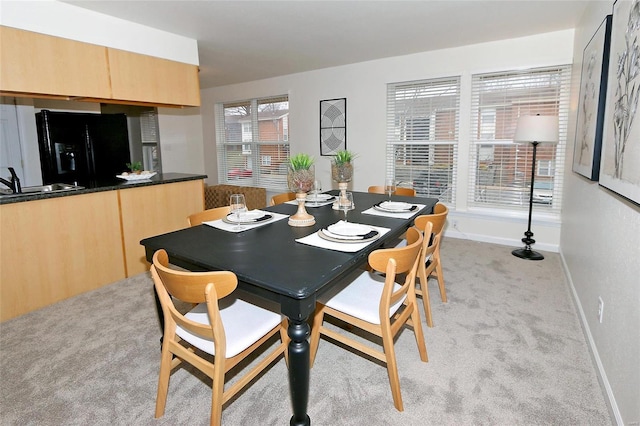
527,253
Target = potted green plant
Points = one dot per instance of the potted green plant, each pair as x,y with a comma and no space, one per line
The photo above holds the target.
342,166
135,167
301,173
300,177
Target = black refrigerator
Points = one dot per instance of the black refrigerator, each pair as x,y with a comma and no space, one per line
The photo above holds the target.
82,148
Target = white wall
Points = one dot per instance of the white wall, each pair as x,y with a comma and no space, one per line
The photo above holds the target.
601,251
364,86
181,140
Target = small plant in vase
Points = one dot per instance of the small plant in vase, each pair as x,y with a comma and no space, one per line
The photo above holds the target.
300,177
342,171
135,167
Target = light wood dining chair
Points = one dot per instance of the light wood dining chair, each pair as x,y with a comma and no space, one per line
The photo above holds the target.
225,328
378,305
207,215
283,198
408,192
431,266
430,242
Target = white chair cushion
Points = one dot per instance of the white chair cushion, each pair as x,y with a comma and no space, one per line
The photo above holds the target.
244,324
360,296
402,243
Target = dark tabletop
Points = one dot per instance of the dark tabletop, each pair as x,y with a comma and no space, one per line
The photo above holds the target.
269,259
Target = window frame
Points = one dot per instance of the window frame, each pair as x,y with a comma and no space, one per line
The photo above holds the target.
242,161
528,91
423,128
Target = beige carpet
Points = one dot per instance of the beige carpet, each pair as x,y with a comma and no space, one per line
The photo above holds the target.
506,350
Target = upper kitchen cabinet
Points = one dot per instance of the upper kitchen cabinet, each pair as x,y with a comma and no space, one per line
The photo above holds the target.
143,78
41,65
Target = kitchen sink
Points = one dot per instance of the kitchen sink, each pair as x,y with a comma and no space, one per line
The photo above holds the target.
43,189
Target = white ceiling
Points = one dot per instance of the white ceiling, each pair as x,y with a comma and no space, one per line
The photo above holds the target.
241,41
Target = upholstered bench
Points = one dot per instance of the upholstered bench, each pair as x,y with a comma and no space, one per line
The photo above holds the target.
218,196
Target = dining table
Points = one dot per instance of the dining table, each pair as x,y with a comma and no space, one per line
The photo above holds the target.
271,262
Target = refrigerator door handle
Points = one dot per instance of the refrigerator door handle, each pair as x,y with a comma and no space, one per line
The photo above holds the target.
91,163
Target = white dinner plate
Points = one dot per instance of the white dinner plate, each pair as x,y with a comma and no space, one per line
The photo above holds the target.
349,229
319,197
329,236
394,206
248,217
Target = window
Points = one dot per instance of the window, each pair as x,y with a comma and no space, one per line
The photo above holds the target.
150,141
546,168
253,132
422,135
500,170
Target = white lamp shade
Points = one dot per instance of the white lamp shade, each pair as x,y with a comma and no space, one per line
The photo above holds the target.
537,128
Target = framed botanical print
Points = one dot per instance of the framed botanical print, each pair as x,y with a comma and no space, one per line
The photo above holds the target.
333,126
593,92
620,162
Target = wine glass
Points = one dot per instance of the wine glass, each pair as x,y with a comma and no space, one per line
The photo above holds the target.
317,189
345,203
389,187
238,206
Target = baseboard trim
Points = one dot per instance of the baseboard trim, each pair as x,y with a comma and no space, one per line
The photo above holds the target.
602,375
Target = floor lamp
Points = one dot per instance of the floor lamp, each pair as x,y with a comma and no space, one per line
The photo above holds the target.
534,129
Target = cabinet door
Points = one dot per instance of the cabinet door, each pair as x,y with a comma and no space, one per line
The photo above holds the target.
143,78
33,63
57,248
152,210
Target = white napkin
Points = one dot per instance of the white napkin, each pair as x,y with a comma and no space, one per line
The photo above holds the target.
317,241
399,215
220,224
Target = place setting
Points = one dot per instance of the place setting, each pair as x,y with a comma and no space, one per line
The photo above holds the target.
388,208
343,235
240,219
316,198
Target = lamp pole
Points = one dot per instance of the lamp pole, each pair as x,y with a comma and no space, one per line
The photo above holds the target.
526,252
534,129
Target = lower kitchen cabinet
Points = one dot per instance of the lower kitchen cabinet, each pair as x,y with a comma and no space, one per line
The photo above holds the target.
153,210
55,248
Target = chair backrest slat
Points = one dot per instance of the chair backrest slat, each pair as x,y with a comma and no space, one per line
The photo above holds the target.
393,261
407,192
207,215
282,198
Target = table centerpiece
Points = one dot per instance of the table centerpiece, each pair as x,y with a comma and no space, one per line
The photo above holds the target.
342,172
300,178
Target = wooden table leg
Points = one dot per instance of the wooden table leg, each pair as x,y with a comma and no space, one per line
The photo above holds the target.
299,371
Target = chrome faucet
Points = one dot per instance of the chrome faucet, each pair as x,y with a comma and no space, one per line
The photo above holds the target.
14,184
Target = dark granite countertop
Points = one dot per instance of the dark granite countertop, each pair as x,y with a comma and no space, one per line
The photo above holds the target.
106,185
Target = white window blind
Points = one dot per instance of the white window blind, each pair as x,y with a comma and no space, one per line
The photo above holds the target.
253,142
500,170
150,141
422,135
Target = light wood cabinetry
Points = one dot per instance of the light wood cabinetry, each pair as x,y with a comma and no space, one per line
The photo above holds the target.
153,210
33,63
43,66
145,78
56,248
